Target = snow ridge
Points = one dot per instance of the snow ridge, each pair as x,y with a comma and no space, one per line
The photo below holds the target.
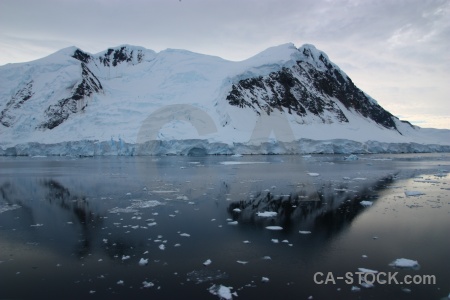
282,100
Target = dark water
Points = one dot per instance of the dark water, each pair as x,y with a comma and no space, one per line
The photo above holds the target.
74,228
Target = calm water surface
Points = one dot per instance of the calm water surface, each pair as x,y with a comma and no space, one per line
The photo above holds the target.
74,228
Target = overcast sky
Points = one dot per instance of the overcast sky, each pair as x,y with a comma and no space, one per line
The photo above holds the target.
396,51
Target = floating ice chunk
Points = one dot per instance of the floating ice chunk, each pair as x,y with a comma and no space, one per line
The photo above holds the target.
143,262
364,256
185,234
125,257
346,178
151,224
242,162
237,210
404,263
355,289
274,227
306,156
222,291
183,197
266,214
233,223
285,241
6,207
304,232
406,290
267,257
360,178
364,270
91,292
275,241
207,262
120,282
414,193
264,279
366,203
236,155
162,247
147,284
351,157
246,242
37,225
128,194
313,174
177,245
242,262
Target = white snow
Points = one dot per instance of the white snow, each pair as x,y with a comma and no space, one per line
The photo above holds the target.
174,101
404,263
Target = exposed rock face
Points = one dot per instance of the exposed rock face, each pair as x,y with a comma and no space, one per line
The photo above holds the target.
7,117
59,112
306,89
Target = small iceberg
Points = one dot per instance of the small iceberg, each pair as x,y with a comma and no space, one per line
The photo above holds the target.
366,203
143,262
222,291
405,263
304,232
414,193
274,227
207,262
351,157
266,214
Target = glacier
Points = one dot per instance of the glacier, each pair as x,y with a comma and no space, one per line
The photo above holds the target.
129,100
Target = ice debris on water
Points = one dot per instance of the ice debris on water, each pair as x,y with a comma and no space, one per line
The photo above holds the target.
143,262
274,227
162,247
222,291
120,282
351,157
414,193
7,207
313,174
125,257
366,203
355,289
207,262
364,270
264,279
304,232
242,262
147,284
233,223
237,210
185,234
266,214
404,263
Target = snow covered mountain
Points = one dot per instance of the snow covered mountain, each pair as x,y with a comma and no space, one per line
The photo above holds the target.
130,100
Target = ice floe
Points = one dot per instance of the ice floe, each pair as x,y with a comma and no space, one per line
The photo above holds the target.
304,232
146,284
207,262
313,174
405,263
364,270
274,227
143,262
266,214
414,193
366,203
222,291
6,207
